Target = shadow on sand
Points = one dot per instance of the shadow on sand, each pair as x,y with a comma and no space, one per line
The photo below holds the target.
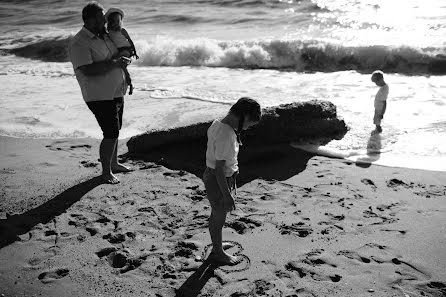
374,147
273,162
19,224
195,283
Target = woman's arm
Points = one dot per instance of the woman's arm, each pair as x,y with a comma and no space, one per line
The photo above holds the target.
228,200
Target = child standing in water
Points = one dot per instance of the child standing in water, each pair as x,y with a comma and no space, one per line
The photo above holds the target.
121,39
222,168
380,98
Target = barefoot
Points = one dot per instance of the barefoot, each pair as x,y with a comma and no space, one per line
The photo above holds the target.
120,168
223,258
110,179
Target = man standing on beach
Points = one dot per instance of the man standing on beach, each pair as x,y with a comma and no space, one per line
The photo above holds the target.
102,82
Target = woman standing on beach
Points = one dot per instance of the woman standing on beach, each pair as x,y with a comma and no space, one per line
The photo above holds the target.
222,168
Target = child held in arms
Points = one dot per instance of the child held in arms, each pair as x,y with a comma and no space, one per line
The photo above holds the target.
380,98
121,39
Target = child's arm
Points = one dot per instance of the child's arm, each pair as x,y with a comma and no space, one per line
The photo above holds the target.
384,108
228,200
126,35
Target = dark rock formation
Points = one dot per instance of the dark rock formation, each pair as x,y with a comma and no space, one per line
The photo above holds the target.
287,122
265,153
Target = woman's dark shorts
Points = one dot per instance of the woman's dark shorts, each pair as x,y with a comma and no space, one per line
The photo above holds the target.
109,115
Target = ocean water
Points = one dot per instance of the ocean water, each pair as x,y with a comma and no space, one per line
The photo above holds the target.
198,56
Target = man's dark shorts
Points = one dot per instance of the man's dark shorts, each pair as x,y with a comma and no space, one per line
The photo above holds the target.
109,115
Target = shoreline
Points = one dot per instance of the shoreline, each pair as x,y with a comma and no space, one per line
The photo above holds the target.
309,225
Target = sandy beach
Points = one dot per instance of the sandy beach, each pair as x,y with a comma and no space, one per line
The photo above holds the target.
305,225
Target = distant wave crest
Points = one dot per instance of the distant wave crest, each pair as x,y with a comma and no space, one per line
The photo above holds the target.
48,49
291,55
287,55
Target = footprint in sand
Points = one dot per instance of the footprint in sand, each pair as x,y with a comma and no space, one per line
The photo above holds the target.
36,261
412,279
428,191
431,191
335,217
121,259
323,173
296,266
315,258
383,207
369,182
434,288
186,249
147,209
198,222
118,237
243,224
262,287
106,251
53,275
175,173
354,256
369,213
77,220
408,277
88,164
68,146
394,183
300,229
197,194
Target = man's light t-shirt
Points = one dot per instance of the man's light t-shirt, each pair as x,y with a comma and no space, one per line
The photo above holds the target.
222,145
86,48
381,97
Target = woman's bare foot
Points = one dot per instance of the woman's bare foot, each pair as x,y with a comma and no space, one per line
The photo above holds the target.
120,168
110,179
223,258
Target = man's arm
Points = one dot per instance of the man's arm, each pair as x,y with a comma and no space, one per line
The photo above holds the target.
97,68
102,67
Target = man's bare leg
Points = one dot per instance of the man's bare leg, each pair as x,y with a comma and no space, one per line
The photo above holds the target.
106,153
115,165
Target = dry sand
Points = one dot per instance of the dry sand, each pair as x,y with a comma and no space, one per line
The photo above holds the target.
305,226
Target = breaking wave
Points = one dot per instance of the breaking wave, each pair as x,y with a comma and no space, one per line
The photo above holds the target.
287,55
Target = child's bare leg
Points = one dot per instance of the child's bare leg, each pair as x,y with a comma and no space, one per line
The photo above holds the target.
216,222
128,80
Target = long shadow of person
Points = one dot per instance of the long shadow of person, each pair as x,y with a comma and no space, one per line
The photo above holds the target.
374,146
195,283
19,224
